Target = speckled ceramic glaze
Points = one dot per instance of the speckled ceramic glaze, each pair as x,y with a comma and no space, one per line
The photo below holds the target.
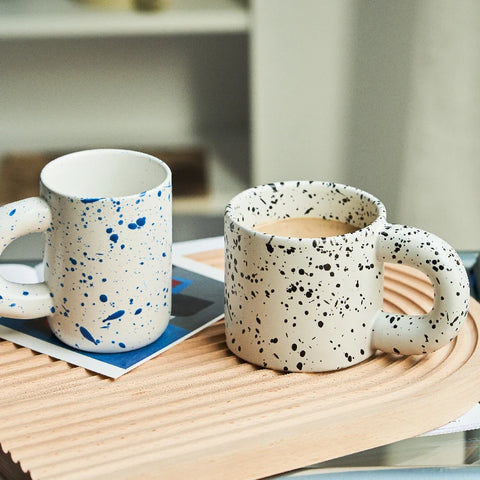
107,221
312,305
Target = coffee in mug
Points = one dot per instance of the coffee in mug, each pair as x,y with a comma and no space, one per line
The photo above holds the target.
305,227
297,300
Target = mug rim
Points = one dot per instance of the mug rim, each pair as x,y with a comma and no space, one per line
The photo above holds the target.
82,154
380,216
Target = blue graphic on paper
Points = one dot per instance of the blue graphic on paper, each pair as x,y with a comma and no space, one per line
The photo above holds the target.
39,328
200,302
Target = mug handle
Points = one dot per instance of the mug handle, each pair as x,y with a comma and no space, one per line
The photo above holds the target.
18,300
418,334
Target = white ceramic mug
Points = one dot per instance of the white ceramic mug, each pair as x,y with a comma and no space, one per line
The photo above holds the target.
315,304
107,220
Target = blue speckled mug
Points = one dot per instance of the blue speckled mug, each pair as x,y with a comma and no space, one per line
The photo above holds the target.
107,220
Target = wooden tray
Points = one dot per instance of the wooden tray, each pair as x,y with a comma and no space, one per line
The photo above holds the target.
199,412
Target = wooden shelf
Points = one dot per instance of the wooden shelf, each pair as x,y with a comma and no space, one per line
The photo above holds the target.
69,18
169,42
210,190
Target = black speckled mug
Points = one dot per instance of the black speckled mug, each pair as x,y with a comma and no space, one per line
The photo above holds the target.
315,304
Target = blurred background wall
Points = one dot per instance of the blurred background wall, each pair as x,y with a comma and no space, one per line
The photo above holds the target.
381,94
385,97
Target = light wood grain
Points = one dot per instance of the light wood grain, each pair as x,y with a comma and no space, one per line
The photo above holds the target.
213,258
199,412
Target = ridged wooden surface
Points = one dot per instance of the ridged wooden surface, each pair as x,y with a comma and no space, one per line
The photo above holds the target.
199,412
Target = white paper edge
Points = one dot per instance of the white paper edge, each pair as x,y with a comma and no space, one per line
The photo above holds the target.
47,348
195,246
469,421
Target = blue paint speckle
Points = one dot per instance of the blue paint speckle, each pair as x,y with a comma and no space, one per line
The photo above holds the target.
88,336
114,238
52,309
138,310
74,262
139,222
13,212
121,344
115,315
109,230
90,200
103,298
25,293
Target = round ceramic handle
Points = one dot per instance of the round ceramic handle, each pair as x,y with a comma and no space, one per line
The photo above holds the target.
417,334
18,300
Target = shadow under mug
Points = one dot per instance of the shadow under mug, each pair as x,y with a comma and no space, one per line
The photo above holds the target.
107,220
315,304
